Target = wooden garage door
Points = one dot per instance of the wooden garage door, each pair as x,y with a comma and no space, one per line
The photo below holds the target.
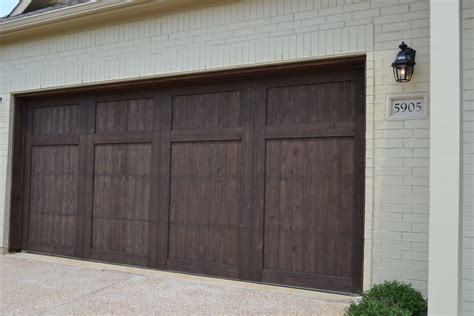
257,179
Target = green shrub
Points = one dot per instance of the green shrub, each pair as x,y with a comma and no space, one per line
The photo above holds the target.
373,307
390,298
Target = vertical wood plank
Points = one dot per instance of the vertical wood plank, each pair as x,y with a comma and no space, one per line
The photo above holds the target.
88,175
164,176
246,236
154,212
27,182
81,191
88,195
19,130
86,126
258,186
153,217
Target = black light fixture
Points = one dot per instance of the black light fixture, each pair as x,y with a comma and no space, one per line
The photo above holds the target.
404,63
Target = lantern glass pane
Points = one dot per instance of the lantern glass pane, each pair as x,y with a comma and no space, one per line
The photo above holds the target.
403,73
409,73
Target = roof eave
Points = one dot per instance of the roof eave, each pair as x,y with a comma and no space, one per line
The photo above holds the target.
88,15
59,15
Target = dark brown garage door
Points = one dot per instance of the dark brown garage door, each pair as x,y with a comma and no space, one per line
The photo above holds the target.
257,179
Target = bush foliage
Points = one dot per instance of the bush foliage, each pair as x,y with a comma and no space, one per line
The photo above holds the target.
391,298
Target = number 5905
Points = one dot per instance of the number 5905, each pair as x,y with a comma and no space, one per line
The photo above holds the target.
401,107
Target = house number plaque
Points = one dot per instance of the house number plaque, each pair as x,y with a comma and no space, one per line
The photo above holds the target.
406,107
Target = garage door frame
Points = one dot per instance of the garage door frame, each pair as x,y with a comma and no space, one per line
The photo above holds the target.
19,192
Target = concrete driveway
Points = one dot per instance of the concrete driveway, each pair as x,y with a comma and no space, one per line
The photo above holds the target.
34,284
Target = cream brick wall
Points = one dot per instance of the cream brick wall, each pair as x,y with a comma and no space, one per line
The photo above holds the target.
468,148
252,32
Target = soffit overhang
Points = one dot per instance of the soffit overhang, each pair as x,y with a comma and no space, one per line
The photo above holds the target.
92,15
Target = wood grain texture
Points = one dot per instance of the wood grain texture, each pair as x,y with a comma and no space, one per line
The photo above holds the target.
122,182
124,116
204,201
309,193
56,120
259,179
220,109
311,104
53,196
18,177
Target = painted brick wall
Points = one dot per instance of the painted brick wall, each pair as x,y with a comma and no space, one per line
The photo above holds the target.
252,32
468,148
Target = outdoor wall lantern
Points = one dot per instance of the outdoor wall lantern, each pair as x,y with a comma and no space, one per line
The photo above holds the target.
404,63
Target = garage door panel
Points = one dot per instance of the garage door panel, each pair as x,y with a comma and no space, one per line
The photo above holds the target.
122,197
207,110
309,185
308,104
54,160
124,116
56,120
204,203
306,228
53,196
205,179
